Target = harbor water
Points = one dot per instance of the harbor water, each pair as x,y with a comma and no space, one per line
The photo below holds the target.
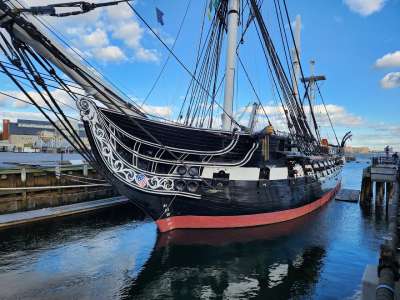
11,159
118,254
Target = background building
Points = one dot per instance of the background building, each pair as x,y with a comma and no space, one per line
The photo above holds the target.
28,135
362,150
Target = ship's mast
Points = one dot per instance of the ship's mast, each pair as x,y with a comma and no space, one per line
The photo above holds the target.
312,82
296,56
233,24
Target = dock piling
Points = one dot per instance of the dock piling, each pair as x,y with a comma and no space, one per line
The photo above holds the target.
366,188
85,170
379,193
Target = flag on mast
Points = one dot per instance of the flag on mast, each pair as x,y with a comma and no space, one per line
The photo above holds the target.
160,16
213,4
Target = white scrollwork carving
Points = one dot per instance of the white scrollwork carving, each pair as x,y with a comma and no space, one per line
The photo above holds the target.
129,174
87,109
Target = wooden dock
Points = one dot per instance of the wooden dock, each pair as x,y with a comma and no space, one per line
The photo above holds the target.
31,187
26,217
348,195
381,181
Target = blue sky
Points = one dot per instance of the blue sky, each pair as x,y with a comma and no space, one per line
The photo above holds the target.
355,43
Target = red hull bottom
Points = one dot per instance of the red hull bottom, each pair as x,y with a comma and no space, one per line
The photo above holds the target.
220,222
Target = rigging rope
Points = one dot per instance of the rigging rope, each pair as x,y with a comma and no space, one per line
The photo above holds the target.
300,65
254,90
39,81
302,130
30,103
168,57
273,81
327,113
176,58
60,38
85,155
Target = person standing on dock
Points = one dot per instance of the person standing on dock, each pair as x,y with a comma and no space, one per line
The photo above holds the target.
387,151
395,157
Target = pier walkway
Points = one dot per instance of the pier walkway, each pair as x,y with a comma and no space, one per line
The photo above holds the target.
25,217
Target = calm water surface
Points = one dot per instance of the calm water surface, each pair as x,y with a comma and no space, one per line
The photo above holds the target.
117,254
7,159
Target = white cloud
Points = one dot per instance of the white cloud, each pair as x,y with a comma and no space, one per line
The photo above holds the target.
109,53
129,32
162,111
96,31
338,114
391,80
119,13
63,99
389,60
97,38
150,55
3,100
378,136
365,133
365,7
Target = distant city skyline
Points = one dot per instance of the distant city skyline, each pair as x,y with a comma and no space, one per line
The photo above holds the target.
354,43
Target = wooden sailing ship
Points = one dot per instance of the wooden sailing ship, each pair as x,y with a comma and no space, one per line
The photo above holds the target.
187,173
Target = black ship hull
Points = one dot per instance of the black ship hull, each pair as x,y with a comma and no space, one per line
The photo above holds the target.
229,180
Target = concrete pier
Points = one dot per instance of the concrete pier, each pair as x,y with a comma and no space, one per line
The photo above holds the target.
384,173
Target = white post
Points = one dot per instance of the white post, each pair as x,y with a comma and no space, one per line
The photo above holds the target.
296,56
233,23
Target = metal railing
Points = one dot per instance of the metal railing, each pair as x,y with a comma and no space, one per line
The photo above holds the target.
385,160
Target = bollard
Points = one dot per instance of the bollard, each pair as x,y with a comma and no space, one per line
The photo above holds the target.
85,170
23,176
24,193
58,172
387,271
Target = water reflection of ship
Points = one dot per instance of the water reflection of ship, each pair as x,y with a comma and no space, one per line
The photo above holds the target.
230,264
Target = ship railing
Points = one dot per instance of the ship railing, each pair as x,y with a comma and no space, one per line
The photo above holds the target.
113,133
108,123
